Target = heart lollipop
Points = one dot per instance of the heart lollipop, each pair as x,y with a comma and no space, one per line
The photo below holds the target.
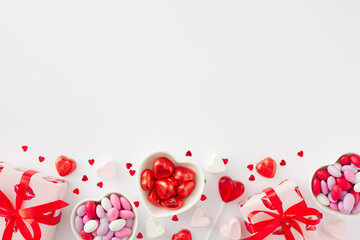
229,190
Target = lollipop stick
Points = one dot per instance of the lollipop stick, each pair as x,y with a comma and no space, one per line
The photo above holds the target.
215,221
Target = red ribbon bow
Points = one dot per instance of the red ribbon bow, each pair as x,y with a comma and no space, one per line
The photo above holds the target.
32,215
286,219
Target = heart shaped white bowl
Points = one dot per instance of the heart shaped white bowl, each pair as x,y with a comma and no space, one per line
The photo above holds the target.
188,202
327,208
73,214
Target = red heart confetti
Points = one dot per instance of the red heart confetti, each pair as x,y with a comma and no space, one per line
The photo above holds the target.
76,191
139,236
250,167
24,148
91,161
41,159
251,178
136,203
84,178
188,154
230,189
100,184
300,154
132,172
282,163
225,160
128,165
203,198
266,167
175,218
205,180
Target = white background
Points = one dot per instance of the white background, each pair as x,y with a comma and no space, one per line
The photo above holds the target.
121,79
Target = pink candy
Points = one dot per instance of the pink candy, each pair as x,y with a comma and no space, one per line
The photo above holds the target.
120,209
338,184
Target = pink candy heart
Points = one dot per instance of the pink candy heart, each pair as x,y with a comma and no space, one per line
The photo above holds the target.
199,219
231,229
335,229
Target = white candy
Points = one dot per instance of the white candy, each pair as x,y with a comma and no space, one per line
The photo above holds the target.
323,199
97,238
338,165
106,204
154,229
116,225
105,219
90,226
357,178
357,187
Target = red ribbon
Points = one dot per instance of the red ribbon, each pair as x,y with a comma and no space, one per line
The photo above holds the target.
286,219
32,215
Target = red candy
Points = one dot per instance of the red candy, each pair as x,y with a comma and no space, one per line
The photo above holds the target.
147,181
174,202
356,196
185,189
183,174
90,209
355,159
344,160
230,189
266,167
86,236
316,186
336,192
182,235
154,198
322,174
165,189
343,183
163,168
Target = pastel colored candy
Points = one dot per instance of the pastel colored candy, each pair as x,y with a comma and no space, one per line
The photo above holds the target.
116,225
113,214
349,167
115,201
331,182
335,229
357,177
125,203
115,238
81,211
323,199
102,229
356,208
199,219
129,223
337,165
231,229
126,214
97,238
100,212
334,206
154,229
348,202
349,175
357,187
123,233
85,219
331,199
105,219
79,223
324,187
343,195
341,207
108,236
107,171
94,233
90,226
334,171
106,204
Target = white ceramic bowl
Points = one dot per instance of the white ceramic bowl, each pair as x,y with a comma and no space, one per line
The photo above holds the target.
326,208
73,214
188,202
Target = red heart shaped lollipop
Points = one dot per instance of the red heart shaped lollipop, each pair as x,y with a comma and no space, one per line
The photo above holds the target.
230,189
182,235
266,167
65,165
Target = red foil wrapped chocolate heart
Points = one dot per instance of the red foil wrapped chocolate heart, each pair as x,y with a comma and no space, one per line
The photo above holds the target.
185,189
147,180
183,174
154,198
65,165
163,168
182,235
266,167
164,188
174,202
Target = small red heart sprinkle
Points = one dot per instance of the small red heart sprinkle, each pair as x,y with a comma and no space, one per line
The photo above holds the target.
282,163
100,184
175,218
91,161
300,154
252,178
139,236
203,198
132,172
250,167
128,165
41,159
225,160
136,203
188,154
76,191
205,180
84,178
24,148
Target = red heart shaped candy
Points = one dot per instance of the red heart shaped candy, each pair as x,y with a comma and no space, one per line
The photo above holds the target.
163,168
230,189
182,235
266,167
65,165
